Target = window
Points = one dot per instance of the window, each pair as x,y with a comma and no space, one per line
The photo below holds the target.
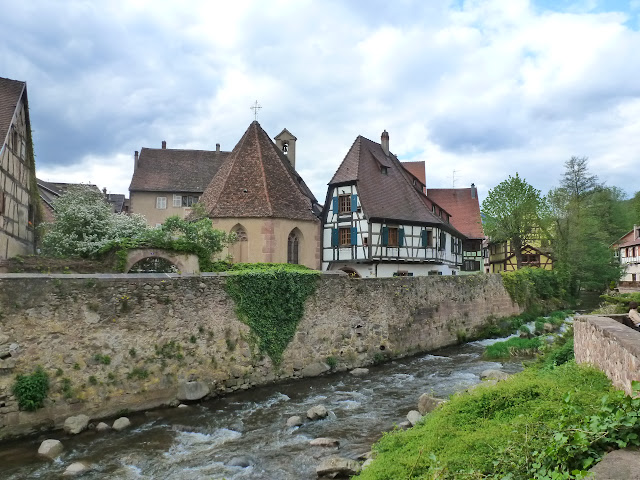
384,170
427,238
471,266
15,142
345,236
23,149
177,200
365,241
2,203
402,273
443,241
344,204
161,203
393,237
293,244
189,200
531,259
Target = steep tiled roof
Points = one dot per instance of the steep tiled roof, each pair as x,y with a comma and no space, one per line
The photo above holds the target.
257,180
172,170
392,196
464,209
49,191
417,169
10,91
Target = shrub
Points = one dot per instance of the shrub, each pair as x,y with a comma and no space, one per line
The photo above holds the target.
513,347
31,390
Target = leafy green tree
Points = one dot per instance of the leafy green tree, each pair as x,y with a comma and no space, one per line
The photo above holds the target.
516,212
587,218
84,224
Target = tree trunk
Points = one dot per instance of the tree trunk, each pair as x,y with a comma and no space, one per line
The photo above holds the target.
516,245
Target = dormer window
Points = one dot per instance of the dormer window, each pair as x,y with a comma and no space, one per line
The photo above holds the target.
384,170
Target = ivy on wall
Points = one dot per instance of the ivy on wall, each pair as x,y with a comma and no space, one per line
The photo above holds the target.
271,302
536,289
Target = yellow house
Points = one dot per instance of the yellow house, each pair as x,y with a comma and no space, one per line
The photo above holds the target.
502,257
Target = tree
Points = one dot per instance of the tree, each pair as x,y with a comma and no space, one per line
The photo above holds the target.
514,211
84,224
587,218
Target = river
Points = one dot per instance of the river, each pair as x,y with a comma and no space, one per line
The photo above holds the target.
197,442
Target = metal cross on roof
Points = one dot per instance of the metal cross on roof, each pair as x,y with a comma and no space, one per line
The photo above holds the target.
255,109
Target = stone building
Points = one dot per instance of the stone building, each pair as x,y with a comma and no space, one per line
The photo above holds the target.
168,182
257,194
18,190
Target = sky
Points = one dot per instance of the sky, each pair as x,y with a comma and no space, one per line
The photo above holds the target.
478,89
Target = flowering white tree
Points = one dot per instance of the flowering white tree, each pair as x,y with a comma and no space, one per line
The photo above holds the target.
84,223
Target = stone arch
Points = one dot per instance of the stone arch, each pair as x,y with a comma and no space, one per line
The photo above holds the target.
184,262
239,251
294,246
351,272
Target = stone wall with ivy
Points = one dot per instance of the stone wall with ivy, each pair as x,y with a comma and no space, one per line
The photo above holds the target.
109,343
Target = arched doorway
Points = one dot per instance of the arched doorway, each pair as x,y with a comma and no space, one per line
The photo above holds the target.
294,243
240,249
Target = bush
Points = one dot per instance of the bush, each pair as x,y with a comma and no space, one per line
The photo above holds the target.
513,347
31,390
536,289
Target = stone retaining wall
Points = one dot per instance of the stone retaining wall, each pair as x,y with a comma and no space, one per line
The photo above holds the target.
114,342
609,345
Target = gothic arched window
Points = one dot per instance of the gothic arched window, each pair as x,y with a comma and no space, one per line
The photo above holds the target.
293,245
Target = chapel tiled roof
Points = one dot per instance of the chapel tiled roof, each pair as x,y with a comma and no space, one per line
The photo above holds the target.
10,91
464,209
396,195
257,180
173,170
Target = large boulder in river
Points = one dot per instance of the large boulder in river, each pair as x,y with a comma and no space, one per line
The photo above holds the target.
76,424
318,412
50,448
121,424
493,374
324,442
414,417
315,369
192,390
294,421
337,467
76,468
359,372
427,403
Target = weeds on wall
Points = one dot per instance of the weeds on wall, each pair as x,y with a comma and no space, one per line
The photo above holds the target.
535,289
31,390
271,302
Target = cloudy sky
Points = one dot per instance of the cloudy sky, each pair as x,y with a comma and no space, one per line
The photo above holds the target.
478,89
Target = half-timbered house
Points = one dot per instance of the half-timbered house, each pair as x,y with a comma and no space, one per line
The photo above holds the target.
18,191
377,221
627,249
502,257
464,207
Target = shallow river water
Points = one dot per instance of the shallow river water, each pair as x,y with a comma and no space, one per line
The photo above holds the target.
197,442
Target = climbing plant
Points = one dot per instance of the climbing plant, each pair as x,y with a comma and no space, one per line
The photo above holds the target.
271,302
31,390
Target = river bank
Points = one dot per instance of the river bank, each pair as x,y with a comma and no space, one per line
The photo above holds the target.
201,440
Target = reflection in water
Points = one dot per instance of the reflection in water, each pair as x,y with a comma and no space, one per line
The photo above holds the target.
199,441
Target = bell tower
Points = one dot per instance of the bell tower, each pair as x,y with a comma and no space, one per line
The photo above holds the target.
286,142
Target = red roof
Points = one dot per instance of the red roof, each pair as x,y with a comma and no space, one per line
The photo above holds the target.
417,169
257,180
464,207
628,240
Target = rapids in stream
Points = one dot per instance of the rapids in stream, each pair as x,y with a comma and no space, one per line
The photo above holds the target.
199,441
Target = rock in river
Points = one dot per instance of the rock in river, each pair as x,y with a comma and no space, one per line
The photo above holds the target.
318,412
50,448
76,424
337,467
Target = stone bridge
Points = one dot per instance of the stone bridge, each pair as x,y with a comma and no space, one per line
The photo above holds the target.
184,262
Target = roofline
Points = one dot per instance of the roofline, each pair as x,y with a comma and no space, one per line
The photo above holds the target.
13,117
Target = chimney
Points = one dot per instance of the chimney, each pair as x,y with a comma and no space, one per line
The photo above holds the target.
474,191
385,142
164,145
636,232
135,160
217,147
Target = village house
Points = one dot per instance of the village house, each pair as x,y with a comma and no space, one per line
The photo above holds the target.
502,257
627,249
169,181
464,206
18,191
378,222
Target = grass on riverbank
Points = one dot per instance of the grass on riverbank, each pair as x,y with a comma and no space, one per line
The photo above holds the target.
545,422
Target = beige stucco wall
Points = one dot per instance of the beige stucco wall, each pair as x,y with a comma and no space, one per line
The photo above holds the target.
16,235
144,203
267,239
